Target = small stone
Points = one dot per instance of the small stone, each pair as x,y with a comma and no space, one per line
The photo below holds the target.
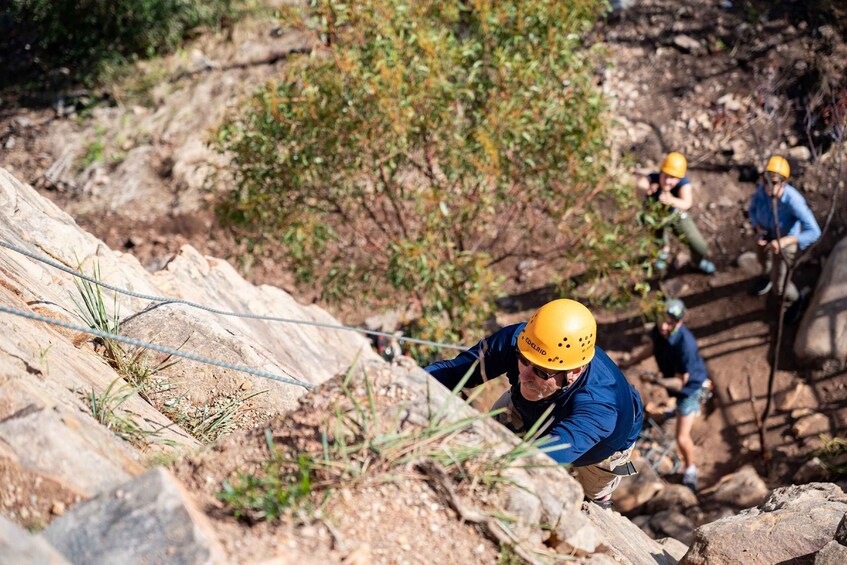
800,153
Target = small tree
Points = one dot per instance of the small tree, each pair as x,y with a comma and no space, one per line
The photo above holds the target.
422,144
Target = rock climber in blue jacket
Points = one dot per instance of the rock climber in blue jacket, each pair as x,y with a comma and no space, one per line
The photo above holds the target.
553,361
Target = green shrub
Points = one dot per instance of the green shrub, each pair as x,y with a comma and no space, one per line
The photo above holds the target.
83,35
425,144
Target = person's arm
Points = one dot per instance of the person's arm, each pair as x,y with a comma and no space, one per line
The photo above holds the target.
645,186
681,203
499,353
695,369
810,231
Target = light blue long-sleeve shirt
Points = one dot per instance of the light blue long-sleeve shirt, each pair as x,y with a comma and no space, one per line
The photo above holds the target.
795,217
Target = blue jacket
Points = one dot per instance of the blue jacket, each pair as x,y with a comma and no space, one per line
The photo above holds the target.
678,354
596,416
795,217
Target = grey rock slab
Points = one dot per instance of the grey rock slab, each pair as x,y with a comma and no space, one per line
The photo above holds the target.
17,546
311,352
832,553
822,333
148,520
793,523
627,543
70,447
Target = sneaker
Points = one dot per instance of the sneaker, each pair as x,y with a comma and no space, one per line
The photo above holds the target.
761,286
662,262
689,478
706,266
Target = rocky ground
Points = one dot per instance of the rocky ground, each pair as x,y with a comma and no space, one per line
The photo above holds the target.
725,85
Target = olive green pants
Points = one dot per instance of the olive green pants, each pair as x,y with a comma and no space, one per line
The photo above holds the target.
684,228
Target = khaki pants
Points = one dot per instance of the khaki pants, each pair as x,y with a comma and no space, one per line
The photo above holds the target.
775,268
597,480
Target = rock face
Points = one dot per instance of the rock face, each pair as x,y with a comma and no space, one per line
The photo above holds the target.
148,520
794,522
18,546
627,543
50,377
823,332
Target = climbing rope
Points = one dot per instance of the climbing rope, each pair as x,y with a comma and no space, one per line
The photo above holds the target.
160,348
166,300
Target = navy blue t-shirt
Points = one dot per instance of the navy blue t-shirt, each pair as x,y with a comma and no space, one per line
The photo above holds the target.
678,354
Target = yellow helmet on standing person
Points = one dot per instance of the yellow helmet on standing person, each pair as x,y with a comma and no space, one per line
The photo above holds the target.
778,165
674,165
560,336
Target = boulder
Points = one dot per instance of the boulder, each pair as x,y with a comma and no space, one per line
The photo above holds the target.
741,489
673,524
637,490
822,333
792,524
811,426
688,44
672,497
148,520
812,471
749,263
797,398
832,553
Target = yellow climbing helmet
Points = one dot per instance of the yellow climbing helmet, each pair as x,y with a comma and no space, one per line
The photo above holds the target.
778,165
560,336
674,165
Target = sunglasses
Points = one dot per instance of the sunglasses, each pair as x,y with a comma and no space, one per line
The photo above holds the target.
539,372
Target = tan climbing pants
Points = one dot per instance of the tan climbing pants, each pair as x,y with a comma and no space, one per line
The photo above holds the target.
598,482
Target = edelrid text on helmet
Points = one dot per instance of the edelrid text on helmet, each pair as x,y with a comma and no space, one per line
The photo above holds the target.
559,336
674,165
778,165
